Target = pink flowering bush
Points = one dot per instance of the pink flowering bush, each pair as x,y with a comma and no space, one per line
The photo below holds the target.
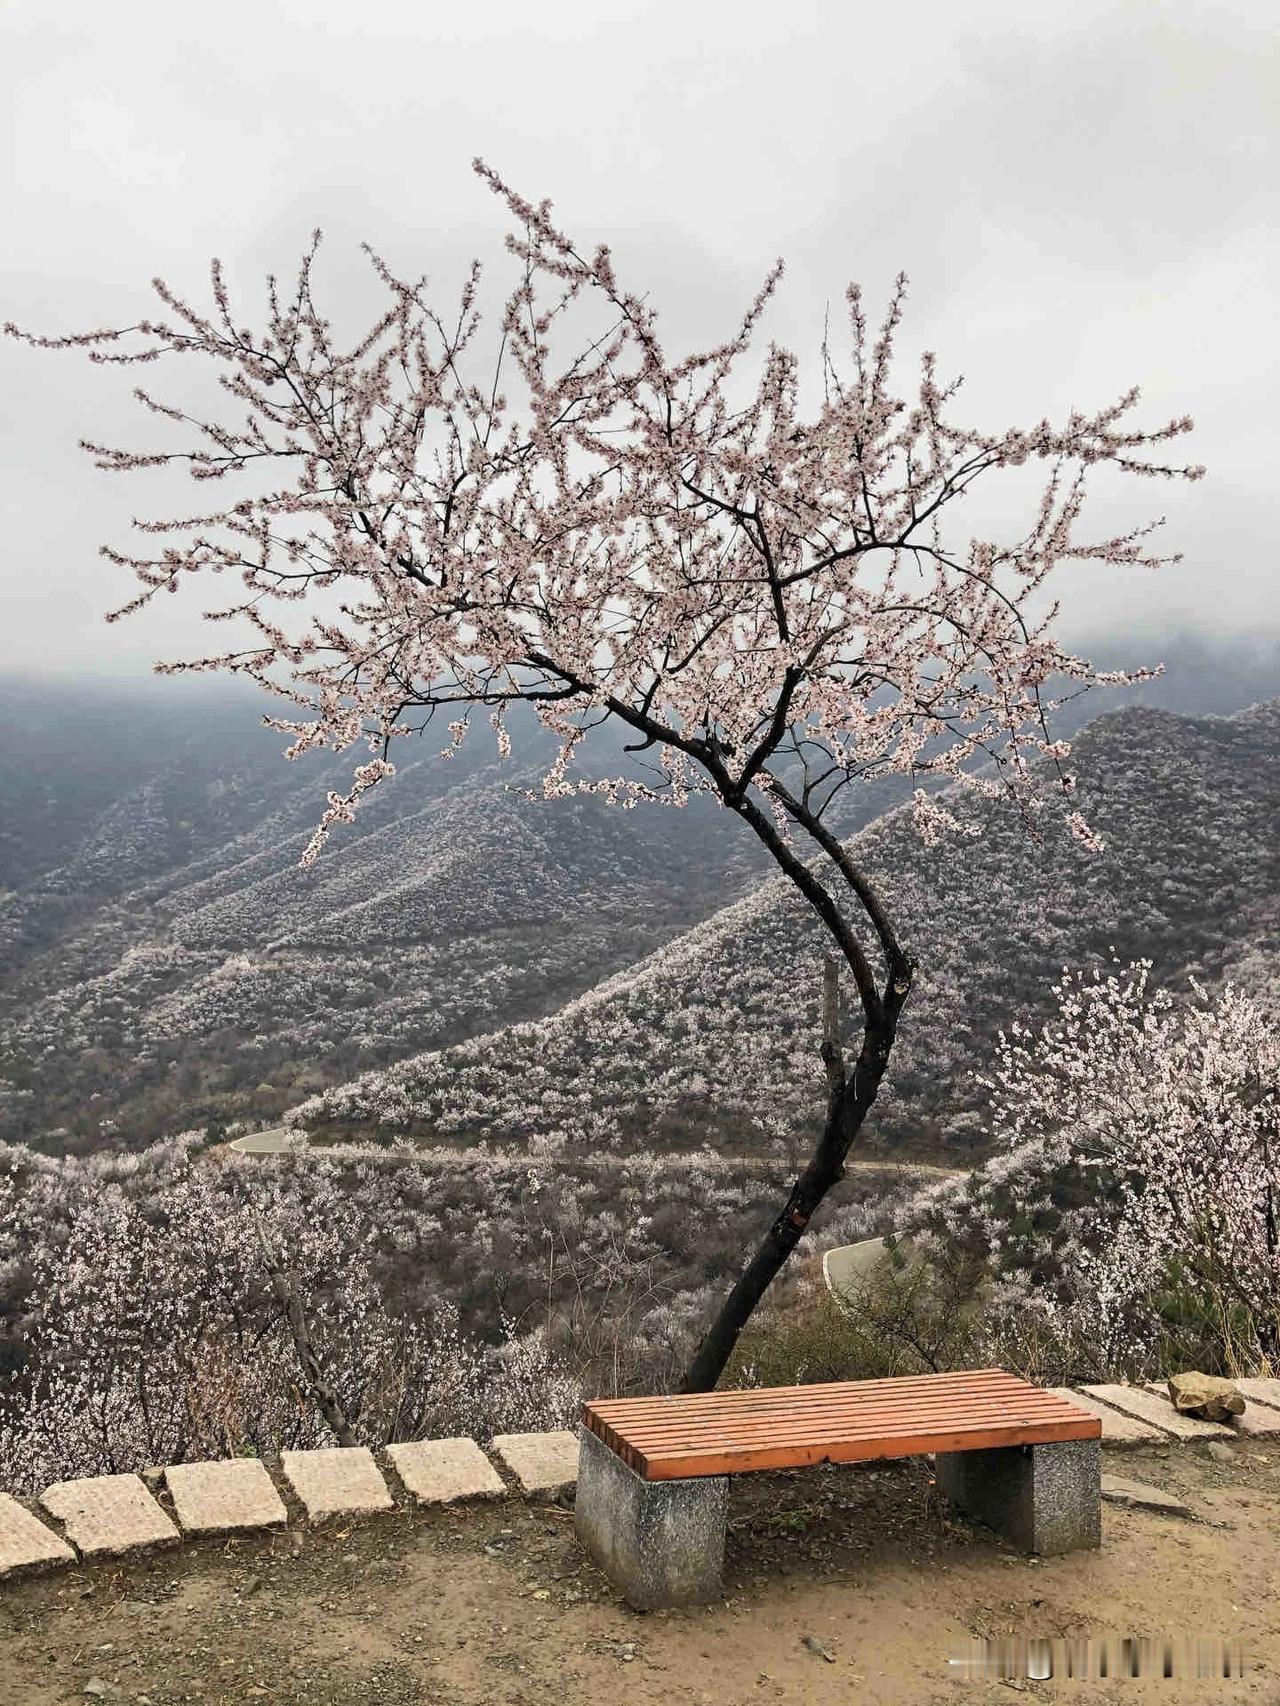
1131,1219
150,1333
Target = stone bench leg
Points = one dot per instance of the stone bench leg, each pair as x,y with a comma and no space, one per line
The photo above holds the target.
660,1542
1041,1498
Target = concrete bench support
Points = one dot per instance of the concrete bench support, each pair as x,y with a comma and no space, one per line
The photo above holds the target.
660,1542
1041,1498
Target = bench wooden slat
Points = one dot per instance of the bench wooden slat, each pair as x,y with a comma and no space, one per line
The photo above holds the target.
835,1413
688,1435
690,1465
802,1427
847,1426
905,1386
680,1415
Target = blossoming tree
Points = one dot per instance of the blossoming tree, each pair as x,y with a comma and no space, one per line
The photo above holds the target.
755,584
1136,1195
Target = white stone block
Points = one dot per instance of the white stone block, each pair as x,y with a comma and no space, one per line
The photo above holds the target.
1257,1391
223,1498
541,1463
1151,1407
438,1471
106,1516
1118,1429
342,1481
26,1545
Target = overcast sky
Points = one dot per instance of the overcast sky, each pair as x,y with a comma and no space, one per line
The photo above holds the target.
1084,196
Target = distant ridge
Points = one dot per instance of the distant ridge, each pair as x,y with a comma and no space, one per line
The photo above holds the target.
714,1034
165,964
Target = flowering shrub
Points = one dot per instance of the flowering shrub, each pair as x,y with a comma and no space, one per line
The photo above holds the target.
150,1333
447,1292
1130,1219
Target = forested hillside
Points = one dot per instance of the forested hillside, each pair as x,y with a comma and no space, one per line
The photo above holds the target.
146,990
715,1035
165,964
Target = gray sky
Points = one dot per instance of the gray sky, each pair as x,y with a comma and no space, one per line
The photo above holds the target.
1084,196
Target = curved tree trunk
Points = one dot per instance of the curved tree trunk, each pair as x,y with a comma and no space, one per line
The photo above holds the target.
850,1102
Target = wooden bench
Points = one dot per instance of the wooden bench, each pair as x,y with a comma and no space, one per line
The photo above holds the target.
653,1473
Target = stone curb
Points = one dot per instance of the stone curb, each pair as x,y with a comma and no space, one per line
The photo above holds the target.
441,1471
109,1516
115,1515
1156,1410
225,1497
545,1464
342,1481
26,1545
1119,1431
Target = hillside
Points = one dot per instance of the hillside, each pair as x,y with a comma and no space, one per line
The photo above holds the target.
715,1033
165,964
228,983
165,961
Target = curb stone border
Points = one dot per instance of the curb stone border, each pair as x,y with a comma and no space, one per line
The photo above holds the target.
33,1538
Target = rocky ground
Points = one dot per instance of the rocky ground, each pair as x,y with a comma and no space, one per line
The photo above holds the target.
843,1585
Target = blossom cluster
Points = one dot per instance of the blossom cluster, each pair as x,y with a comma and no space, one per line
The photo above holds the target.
748,571
1135,1197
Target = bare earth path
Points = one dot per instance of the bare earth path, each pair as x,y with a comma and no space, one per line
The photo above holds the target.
494,1605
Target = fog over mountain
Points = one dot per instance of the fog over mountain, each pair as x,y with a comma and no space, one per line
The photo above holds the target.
166,963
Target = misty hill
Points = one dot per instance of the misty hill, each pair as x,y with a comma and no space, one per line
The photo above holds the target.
716,1033
229,985
164,963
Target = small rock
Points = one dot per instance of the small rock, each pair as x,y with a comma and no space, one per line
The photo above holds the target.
1138,1496
96,1689
1220,1452
815,1646
1205,1395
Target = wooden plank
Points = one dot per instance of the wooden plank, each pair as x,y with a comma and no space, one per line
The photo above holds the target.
1011,1406
1003,1401
1084,1427
908,1385
689,1465
888,1406
1011,1399
1065,1428
1009,1409
787,1437
686,1435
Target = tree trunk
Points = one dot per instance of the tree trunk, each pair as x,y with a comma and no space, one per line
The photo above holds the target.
847,1109
318,1385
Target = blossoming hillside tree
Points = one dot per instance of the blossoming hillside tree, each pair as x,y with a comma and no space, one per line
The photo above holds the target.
1135,1201
759,591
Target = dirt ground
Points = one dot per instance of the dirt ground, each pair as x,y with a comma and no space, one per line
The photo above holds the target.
843,1585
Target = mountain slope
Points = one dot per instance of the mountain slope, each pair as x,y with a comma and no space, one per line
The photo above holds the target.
716,1033
143,988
